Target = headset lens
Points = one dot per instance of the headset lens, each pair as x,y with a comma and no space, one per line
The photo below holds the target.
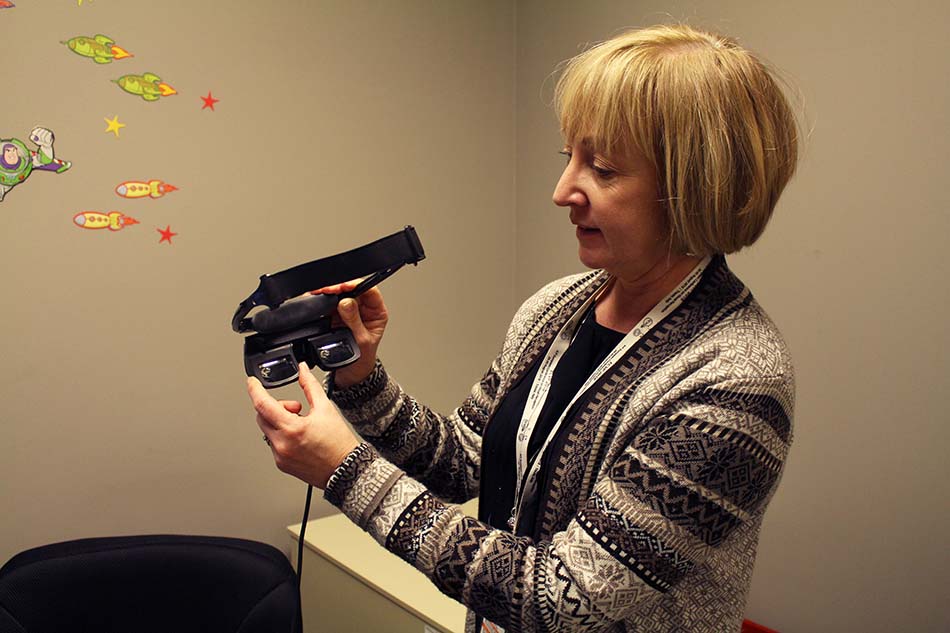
334,350
278,370
273,367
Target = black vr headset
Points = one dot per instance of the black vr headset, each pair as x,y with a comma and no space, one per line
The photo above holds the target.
292,332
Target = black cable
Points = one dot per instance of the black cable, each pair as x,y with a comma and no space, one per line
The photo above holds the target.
298,619
306,514
303,530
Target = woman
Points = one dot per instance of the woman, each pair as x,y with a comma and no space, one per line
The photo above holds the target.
628,437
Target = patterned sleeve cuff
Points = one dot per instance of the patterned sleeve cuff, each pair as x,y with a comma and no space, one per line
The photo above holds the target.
396,510
355,395
359,484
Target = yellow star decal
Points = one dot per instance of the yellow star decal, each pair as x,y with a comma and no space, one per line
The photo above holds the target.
114,125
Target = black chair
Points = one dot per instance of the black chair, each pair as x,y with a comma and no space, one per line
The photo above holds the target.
150,584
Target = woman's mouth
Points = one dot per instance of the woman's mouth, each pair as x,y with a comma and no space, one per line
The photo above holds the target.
586,232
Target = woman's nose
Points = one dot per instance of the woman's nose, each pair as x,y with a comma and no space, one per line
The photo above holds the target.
566,192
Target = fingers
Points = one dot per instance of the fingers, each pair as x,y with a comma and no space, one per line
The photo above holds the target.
270,435
269,411
372,298
336,289
310,385
266,428
292,406
350,314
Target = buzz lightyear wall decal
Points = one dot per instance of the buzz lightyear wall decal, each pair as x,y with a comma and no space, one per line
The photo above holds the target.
114,220
167,234
148,86
17,161
133,189
101,49
209,101
113,125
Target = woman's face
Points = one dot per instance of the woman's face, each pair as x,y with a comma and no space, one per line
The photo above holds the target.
621,224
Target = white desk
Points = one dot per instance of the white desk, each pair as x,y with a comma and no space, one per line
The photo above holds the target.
350,583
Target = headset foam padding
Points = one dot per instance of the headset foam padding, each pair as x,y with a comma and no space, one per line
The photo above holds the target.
290,314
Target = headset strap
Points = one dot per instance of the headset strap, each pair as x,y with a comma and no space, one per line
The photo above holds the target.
377,259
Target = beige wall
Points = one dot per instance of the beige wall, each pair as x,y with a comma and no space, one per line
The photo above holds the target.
851,271
123,403
124,408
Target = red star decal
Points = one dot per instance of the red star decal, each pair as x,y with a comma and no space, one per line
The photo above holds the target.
166,234
209,101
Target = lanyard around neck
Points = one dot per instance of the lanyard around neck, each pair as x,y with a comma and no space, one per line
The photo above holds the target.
526,488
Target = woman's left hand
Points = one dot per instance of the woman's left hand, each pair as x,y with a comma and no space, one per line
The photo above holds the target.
309,447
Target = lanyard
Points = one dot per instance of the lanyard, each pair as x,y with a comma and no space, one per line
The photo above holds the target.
526,488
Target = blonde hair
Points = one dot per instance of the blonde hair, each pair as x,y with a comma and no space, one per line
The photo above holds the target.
704,111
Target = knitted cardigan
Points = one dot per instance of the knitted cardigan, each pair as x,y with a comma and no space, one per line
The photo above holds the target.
651,518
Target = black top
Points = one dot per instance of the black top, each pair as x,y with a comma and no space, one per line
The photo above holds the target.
592,343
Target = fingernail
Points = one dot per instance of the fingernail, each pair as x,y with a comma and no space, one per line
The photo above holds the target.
347,305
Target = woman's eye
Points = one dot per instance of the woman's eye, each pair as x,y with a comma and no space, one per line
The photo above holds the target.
604,173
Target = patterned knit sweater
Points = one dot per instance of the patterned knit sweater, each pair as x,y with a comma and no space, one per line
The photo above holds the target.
651,519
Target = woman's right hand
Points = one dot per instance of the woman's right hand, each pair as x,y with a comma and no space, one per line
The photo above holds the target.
366,317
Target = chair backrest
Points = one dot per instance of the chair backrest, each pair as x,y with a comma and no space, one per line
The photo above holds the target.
150,584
